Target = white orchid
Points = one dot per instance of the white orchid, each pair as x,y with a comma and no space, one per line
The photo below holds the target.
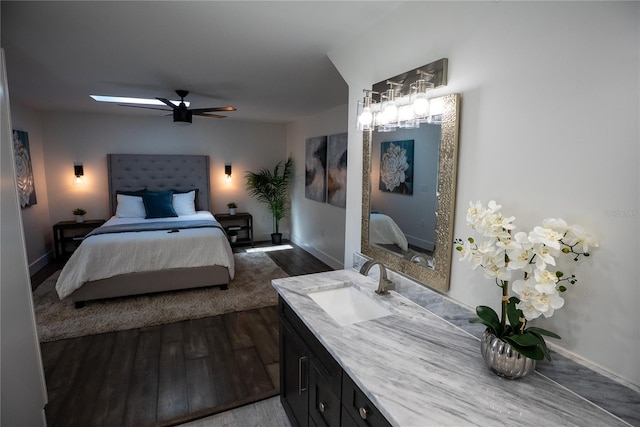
533,253
577,236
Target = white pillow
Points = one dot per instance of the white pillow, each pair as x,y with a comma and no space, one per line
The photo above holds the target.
184,203
130,207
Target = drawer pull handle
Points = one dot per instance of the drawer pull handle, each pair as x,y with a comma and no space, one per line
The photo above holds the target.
302,386
322,407
363,413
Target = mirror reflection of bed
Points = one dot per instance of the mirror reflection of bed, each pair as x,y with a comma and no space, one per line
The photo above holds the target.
385,233
404,221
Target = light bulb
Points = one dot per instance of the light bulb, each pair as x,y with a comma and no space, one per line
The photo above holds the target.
390,112
365,119
421,105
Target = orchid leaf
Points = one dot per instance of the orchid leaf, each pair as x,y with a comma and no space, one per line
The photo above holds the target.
542,345
488,317
514,314
543,332
525,339
530,351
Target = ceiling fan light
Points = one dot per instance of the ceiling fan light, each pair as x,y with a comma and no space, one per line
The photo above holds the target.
182,116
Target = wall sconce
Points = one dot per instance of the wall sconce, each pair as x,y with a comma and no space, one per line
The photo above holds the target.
402,101
78,171
227,172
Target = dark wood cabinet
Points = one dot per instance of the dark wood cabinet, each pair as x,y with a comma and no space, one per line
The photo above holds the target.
314,389
67,235
357,407
324,402
294,375
239,225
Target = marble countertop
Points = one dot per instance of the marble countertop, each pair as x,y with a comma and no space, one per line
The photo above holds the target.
420,370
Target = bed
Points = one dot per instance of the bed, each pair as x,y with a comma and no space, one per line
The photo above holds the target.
161,235
384,231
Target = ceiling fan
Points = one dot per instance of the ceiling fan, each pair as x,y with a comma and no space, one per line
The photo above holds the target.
182,114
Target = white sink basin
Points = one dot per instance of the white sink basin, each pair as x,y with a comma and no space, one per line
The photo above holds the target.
348,304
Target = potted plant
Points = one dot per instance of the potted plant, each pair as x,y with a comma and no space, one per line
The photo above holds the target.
272,188
536,255
232,208
79,214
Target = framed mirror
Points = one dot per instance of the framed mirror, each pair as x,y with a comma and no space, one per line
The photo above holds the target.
409,227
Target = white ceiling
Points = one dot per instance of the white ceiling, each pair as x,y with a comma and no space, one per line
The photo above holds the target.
268,59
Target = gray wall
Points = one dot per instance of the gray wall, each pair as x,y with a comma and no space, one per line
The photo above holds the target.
545,130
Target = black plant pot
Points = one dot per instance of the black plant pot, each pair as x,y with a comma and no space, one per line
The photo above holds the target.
276,238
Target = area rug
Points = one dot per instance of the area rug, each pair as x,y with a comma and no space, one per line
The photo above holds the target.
251,288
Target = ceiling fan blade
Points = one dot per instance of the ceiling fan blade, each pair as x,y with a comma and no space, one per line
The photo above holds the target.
169,103
206,110
213,116
140,106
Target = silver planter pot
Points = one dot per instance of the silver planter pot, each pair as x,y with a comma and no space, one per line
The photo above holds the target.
503,359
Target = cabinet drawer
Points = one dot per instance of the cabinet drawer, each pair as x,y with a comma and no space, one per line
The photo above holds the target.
322,359
359,407
324,405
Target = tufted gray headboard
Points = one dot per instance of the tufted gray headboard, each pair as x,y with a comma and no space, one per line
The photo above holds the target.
158,172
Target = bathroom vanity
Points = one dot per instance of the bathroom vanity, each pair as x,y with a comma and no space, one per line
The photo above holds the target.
396,363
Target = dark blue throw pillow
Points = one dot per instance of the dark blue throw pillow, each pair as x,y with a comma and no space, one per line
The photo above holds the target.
158,204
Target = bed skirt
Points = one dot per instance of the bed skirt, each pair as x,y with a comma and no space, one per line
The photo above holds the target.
151,282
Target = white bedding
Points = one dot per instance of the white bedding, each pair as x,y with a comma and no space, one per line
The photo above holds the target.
107,255
384,231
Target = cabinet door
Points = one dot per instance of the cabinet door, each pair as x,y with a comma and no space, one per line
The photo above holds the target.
324,405
357,408
294,375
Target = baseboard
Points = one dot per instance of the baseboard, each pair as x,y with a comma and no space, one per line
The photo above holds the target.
330,261
40,263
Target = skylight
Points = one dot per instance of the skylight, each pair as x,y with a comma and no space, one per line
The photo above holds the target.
139,101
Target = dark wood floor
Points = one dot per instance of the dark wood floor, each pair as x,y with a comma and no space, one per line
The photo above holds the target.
167,374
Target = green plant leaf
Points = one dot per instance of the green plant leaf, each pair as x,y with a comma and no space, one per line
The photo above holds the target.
489,318
543,332
542,345
513,314
525,340
530,351
272,188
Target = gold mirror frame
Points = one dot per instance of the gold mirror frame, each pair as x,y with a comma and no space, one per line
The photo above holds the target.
438,277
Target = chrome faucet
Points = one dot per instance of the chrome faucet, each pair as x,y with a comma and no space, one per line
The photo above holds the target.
385,285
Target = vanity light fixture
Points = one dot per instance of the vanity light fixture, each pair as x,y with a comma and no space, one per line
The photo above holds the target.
78,171
227,171
405,103
365,115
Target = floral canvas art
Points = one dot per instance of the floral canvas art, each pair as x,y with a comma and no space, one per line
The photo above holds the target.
337,170
315,187
24,170
396,167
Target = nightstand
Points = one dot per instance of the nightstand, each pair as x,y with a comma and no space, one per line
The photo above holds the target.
240,223
71,232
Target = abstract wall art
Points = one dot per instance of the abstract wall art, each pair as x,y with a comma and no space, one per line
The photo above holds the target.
24,170
337,170
315,186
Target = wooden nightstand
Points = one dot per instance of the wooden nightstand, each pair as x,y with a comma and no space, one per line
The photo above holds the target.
66,233
241,223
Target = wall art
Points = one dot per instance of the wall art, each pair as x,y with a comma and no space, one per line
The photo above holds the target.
396,167
24,169
315,186
337,170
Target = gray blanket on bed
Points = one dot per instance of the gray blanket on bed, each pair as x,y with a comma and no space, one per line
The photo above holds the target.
155,226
